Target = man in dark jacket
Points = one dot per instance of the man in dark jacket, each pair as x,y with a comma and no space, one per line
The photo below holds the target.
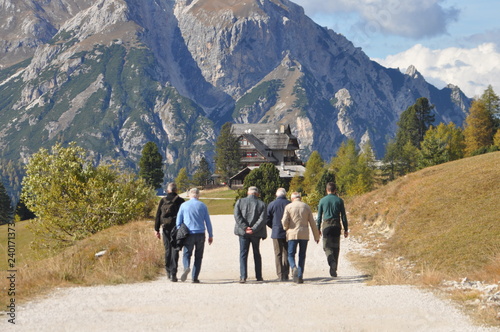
166,215
250,217
274,215
330,220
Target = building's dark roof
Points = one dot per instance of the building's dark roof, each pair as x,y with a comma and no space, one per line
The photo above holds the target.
272,136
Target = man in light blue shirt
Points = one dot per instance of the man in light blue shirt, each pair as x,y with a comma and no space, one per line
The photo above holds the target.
194,214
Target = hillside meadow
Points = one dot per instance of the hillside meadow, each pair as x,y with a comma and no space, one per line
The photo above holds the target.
444,219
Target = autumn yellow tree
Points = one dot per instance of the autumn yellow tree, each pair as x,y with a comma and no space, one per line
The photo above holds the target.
478,128
313,172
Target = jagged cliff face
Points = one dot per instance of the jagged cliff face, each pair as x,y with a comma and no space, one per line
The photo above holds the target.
114,74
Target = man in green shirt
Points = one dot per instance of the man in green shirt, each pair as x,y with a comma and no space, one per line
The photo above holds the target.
331,212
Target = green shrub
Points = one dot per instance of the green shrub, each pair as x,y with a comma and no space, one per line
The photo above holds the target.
73,199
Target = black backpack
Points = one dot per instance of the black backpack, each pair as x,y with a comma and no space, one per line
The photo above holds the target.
168,211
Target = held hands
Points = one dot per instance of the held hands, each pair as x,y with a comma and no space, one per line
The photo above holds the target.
249,230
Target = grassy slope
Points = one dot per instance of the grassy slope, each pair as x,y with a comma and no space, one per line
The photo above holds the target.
22,241
445,217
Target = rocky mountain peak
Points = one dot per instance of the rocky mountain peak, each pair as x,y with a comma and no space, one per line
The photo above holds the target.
115,74
413,72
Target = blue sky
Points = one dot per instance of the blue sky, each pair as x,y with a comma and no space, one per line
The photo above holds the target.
448,41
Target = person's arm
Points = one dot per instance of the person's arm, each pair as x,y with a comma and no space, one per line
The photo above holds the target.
312,224
158,219
270,215
344,219
180,217
320,215
286,219
261,221
208,223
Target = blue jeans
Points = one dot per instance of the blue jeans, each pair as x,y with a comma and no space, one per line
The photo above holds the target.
244,249
197,242
292,249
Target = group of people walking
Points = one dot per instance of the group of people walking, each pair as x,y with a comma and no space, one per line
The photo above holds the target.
289,222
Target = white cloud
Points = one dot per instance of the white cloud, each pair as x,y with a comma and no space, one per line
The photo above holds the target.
407,18
471,69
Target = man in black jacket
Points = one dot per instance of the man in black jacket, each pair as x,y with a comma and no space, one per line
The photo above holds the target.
166,215
275,212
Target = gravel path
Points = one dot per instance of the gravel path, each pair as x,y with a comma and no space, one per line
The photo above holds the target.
220,303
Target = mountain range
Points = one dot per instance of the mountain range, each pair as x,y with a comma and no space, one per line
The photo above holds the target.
115,74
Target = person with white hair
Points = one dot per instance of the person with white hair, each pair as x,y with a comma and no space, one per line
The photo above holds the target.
250,226
297,219
275,211
194,214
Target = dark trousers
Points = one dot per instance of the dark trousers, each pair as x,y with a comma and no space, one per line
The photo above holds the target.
196,242
281,257
171,255
245,242
331,243
292,249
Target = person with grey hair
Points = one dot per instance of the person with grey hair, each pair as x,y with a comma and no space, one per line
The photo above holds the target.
250,226
166,218
194,215
275,211
297,219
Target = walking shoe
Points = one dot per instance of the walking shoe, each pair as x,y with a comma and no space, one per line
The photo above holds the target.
174,279
242,281
260,279
196,281
333,273
185,274
295,273
300,281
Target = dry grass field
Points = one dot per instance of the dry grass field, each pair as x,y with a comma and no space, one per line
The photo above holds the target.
440,223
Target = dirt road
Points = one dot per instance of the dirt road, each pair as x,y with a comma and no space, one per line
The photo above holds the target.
220,303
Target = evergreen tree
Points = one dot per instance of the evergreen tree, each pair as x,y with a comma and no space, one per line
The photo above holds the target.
266,178
414,122
227,153
492,104
313,172
296,184
409,158
23,213
326,177
390,165
433,150
365,171
454,137
6,212
203,174
150,165
344,165
478,128
424,116
408,130
182,180
442,144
